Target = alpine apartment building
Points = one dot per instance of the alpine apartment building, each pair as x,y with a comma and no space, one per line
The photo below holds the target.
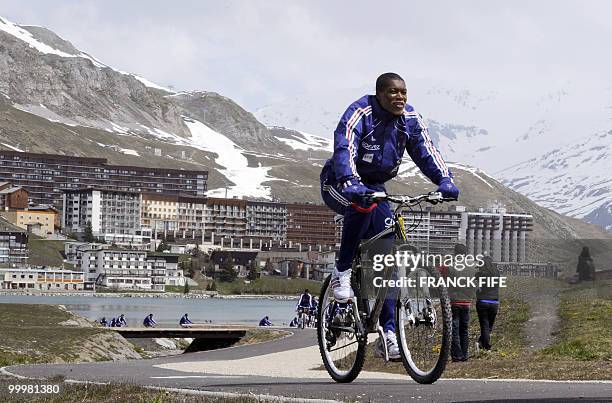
45,176
312,224
114,216
185,216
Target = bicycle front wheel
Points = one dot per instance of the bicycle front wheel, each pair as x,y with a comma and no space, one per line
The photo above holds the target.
341,349
423,317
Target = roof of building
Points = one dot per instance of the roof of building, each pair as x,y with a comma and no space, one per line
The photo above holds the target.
26,156
6,226
242,255
11,189
168,257
43,207
100,189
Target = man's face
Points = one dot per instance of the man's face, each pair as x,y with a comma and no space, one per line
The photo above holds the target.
393,97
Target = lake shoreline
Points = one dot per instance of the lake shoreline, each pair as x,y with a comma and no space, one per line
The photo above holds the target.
148,295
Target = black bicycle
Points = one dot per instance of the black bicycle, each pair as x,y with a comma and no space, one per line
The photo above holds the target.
422,313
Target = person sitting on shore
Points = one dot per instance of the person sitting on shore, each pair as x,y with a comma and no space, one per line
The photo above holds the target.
265,321
121,322
294,322
113,322
148,321
185,322
103,321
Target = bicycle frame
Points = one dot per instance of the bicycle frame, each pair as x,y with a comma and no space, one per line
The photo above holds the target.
400,233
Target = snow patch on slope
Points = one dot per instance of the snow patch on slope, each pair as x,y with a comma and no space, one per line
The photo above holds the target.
11,147
129,151
148,83
473,170
248,180
300,140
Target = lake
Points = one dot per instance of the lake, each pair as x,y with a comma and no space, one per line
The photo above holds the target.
168,311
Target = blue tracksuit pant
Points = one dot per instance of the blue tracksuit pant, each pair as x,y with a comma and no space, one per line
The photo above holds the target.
358,226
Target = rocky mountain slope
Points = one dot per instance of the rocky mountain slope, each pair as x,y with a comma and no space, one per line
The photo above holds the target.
57,99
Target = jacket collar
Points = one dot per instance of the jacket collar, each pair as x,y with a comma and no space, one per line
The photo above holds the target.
379,112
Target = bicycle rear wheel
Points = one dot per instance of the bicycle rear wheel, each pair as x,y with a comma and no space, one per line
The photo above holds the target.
424,321
343,353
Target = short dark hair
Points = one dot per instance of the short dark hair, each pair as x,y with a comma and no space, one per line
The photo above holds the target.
383,80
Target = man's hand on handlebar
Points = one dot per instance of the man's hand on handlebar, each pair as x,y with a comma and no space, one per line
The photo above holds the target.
448,189
355,191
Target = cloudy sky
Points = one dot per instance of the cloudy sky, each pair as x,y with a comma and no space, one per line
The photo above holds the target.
258,52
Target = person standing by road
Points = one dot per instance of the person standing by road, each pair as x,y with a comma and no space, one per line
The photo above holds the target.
369,144
585,268
487,302
461,296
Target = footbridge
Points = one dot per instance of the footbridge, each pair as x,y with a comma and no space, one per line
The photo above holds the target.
204,338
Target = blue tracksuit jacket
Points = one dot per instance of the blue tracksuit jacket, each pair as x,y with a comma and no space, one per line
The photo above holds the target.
369,144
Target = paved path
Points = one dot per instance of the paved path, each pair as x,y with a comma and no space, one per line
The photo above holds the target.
543,319
284,368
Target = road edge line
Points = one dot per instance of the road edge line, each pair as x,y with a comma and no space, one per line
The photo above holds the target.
602,381
194,392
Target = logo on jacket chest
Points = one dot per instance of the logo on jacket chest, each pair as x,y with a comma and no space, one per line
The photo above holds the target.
370,147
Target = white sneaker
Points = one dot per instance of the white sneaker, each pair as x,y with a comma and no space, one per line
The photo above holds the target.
392,347
341,284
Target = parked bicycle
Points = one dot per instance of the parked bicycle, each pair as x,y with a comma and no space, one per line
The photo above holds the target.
422,313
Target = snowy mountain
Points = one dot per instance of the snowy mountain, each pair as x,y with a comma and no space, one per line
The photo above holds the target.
55,98
495,131
574,180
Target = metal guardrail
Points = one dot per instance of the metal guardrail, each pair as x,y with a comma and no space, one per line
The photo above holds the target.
547,270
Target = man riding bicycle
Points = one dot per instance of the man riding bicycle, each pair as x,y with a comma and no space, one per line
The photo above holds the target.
305,305
369,144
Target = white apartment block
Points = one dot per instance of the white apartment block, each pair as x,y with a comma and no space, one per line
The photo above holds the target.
433,231
13,244
128,269
114,215
170,262
26,278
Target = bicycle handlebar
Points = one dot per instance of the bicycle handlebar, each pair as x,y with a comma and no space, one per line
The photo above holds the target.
431,197
373,198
